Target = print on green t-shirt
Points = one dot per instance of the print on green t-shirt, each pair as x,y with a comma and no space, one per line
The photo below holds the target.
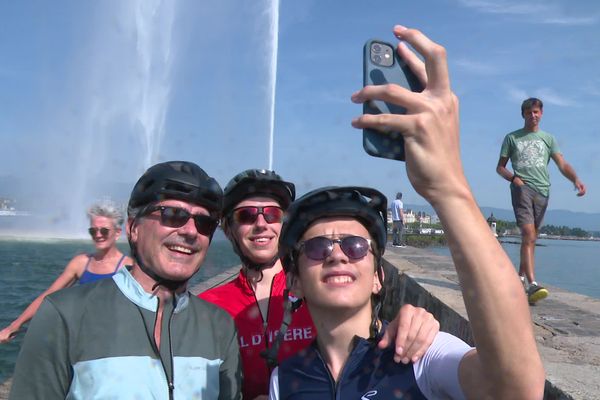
529,154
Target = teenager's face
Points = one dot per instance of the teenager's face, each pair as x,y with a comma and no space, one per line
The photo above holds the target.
532,116
257,240
338,281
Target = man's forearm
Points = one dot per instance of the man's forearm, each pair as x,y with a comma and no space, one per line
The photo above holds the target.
505,173
569,172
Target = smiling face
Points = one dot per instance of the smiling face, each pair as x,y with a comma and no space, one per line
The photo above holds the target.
104,243
338,282
172,253
258,240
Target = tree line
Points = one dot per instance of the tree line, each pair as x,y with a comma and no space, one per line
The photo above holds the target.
553,230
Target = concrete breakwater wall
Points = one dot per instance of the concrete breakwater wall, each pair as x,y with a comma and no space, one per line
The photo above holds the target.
566,325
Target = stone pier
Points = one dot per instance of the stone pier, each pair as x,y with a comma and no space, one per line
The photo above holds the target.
566,325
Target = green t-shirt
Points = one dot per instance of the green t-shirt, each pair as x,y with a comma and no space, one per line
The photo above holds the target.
529,154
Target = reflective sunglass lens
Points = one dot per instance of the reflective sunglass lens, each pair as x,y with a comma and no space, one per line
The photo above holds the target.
205,225
272,214
320,247
246,215
174,217
355,246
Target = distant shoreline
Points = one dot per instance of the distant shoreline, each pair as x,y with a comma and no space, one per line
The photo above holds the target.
558,237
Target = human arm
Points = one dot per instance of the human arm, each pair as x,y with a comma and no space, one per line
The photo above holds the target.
412,331
43,370
506,364
506,173
67,278
568,172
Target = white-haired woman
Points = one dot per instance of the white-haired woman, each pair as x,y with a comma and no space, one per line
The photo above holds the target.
105,227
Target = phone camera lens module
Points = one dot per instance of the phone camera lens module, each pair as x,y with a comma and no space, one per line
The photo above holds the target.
376,48
377,58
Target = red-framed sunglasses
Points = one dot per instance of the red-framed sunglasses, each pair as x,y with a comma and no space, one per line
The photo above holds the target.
249,214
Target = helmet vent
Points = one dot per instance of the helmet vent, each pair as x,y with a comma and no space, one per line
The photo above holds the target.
178,187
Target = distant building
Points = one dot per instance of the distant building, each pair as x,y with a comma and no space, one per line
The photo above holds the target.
423,217
409,217
492,223
7,204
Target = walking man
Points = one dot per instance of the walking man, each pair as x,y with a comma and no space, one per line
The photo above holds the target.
398,221
529,150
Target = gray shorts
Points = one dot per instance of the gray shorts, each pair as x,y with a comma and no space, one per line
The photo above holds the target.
529,206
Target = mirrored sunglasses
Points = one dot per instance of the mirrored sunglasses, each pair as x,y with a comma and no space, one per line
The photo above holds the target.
176,217
103,232
248,215
320,247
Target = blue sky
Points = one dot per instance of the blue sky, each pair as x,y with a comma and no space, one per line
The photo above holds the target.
83,85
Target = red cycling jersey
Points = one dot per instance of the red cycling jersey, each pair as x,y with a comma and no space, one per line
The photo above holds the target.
254,335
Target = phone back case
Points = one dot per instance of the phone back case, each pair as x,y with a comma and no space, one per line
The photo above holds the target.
386,144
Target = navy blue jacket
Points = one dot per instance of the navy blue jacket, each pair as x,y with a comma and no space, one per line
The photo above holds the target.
369,373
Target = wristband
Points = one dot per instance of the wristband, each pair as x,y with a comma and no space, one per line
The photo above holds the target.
513,178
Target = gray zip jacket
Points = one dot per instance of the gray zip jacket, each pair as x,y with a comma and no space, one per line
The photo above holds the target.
96,341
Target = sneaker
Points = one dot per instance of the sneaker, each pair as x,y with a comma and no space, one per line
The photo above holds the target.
536,293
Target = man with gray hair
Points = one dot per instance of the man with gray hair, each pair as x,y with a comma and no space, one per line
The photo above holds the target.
141,334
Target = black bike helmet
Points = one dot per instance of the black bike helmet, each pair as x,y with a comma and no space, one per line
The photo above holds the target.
257,182
367,205
179,180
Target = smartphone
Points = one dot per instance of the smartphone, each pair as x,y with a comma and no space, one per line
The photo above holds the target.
382,65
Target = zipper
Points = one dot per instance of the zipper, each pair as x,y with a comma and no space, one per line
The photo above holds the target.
335,386
170,384
172,381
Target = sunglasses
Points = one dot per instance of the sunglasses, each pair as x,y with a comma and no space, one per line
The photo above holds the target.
248,215
321,247
103,232
176,217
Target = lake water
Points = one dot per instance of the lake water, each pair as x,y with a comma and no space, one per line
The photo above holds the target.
572,265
